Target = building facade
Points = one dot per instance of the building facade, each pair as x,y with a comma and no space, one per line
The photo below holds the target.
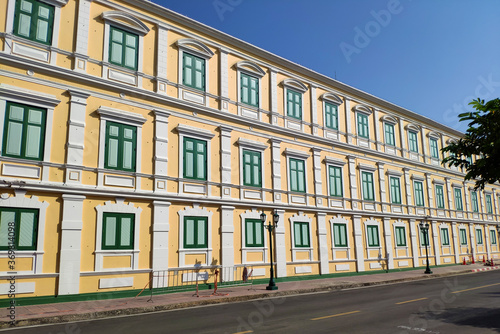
136,142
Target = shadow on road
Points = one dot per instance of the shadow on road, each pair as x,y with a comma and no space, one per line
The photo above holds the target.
478,317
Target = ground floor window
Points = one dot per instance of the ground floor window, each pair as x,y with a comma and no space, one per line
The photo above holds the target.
118,231
24,228
254,233
373,239
400,236
301,234
195,232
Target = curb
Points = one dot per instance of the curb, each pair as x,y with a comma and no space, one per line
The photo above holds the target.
148,309
484,269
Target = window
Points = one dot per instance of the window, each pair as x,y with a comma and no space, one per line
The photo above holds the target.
118,231
424,238
412,141
294,104
419,193
340,235
301,234
331,116
479,237
25,224
252,173
195,159
458,199
445,237
469,159
368,191
395,190
463,237
489,207
249,90
120,146
297,175
400,236
389,134
493,237
34,20
439,197
196,232
473,198
123,48
363,125
373,240
335,174
193,68
24,131
434,148
254,231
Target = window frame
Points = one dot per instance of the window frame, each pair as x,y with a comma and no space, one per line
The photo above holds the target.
457,194
434,148
331,112
421,192
389,137
333,190
194,58
422,238
253,183
118,240
493,236
362,129
296,179
254,222
398,235
252,70
445,237
336,243
195,245
123,57
251,92
295,93
195,166
366,192
304,226
463,236
488,204
479,236
120,151
35,15
474,201
392,189
17,228
369,236
439,196
413,142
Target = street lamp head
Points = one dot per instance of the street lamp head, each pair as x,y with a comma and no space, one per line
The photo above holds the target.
276,218
263,217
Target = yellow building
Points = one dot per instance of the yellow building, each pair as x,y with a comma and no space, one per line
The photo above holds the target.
137,143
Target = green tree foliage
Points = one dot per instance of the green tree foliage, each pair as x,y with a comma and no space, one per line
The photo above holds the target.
481,139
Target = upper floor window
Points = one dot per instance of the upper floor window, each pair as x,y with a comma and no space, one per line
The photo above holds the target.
193,69
434,148
335,182
363,130
34,20
458,199
439,196
412,141
252,168
23,227
24,131
118,230
389,134
331,116
297,175
473,198
123,48
489,206
419,193
121,141
395,190
367,182
249,86
294,103
195,158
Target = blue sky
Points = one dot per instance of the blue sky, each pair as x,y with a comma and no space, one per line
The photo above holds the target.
431,57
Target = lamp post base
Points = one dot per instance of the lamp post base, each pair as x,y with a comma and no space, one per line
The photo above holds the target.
271,287
428,271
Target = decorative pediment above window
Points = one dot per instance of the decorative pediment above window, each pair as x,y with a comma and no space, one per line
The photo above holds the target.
362,109
125,21
296,153
252,68
193,46
389,119
418,178
333,98
413,127
367,168
294,84
58,3
434,135
451,141
334,161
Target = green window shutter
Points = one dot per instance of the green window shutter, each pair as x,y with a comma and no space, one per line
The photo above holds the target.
458,199
123,48
335,174
193,71
297,175
445,239
252,170
294,104
489,207
473,197
373,239
118,231
195,232
363,125
424,238
400,236
331,116
340,235
419,193
249,88
463,237
254,233
395,190
24,131
389,134
412,140
301,234
479,237
367,181
24,223
120,147
439,197
434,148
493,237
34,20
195,159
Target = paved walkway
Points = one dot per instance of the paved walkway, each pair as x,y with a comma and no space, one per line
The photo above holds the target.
92,309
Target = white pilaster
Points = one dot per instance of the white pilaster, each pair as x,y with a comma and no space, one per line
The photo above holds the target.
324,267
402,132
71,237
276,169
225,155
435,237
314,110
318,185
449,195
487,241
160,230
348,126
274,96
388,243
425,149
280,248
82,36
162,59
227,246
224,79
352,180
472,234
428,182
358,242
456,249
376,124
161,149
414,243
409,203
383,196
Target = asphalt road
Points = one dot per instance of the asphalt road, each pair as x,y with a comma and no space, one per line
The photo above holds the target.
458,304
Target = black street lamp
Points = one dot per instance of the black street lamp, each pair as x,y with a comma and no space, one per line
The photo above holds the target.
270,228
425,230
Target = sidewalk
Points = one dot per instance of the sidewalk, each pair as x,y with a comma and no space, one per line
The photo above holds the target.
93,309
